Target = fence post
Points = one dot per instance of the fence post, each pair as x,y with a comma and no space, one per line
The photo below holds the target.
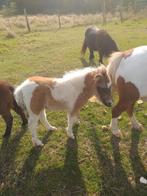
59,20
27,21
104,12
121,14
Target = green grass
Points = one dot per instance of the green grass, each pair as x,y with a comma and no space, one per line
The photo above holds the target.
95,163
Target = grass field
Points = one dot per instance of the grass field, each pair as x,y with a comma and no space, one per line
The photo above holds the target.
95,163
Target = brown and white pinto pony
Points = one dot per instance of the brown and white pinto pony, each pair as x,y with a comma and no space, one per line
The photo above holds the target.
7,102
68,93
128,73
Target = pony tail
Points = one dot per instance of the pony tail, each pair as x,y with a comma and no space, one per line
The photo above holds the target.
84,47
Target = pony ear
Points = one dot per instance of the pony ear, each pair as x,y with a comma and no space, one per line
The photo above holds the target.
102,66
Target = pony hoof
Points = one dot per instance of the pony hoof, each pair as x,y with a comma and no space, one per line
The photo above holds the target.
24,126
117,134
71,136
143,180
52,128
37,142
6,135
78,122
139,127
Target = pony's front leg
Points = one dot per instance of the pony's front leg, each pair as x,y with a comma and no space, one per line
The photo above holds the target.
116,111
91,56
32,124
71,120
100,57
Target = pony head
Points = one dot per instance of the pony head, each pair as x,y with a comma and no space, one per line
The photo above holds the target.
103,86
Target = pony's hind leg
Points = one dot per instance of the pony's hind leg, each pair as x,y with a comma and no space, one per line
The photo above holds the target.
45,122
135,124
8,118
91,56
32,124
100,58
20,112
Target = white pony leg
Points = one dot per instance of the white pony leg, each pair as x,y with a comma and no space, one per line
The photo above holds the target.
114,127
32,124
135,124
71,121
45,122
76,119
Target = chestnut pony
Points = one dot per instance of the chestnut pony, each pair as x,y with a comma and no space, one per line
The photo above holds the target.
68,93
7,102
128,72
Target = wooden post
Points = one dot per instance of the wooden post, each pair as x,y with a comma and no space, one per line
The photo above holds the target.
27,21
59,20
104,12
120,14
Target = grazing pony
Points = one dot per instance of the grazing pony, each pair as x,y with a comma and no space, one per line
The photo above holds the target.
7,102
98,40
68,93
128,73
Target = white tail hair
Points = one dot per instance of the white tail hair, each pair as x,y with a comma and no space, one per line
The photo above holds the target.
114,62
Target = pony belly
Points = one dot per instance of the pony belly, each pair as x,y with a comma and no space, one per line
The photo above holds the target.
56,107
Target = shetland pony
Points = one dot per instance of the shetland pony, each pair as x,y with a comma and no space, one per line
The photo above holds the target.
98,40
7,102
69,93
128,72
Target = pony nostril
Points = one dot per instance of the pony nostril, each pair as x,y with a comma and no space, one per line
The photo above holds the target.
109,103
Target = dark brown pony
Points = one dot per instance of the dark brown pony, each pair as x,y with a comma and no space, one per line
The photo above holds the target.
98,40
7,102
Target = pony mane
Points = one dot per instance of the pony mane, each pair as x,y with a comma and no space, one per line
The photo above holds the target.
114,62
78,73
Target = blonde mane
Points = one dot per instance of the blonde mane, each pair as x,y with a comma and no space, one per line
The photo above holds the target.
114,62
78,73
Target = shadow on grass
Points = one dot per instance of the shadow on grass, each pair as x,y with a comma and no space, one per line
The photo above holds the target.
66,180
26,183
8,154
73,178
136,163
114,181
63,180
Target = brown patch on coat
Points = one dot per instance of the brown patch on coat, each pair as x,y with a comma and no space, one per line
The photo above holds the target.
43,80
127,53
92,81
42,98
88,91
128,95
